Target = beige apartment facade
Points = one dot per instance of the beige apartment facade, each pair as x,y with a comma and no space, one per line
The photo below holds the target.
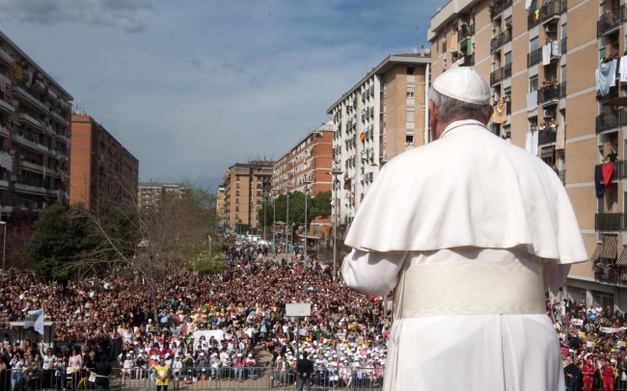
246,188
378,118
542,61
34,133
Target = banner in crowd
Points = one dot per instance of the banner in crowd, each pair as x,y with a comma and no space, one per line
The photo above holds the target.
608,330
35,319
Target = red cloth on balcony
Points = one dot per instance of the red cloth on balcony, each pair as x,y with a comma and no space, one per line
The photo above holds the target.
608,169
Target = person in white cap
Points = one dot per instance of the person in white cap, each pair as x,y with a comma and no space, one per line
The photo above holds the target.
470,231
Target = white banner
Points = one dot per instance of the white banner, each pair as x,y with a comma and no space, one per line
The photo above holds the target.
35,319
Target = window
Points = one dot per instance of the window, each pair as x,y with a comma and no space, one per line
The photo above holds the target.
410,92
533,83
564,31
602,53
533,44
411,70
410,115
508,58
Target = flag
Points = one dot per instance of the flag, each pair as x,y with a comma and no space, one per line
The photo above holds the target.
35,319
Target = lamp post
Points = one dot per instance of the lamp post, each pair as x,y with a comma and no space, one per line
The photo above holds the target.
265,204
335,172
287,220
305,229
274,222
4,247
209,243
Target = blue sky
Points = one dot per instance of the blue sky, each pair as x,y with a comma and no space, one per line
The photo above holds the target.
191,87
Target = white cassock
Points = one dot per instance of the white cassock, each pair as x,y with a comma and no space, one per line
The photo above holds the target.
469,231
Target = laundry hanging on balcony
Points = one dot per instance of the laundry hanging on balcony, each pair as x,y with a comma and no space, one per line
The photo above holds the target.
605,77
546,54
556,48
608,170
599,188
500,113
532,100
622,69
531,142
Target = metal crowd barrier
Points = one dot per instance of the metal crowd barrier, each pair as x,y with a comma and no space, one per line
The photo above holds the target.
224,378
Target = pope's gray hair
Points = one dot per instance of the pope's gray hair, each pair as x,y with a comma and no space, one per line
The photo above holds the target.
451,109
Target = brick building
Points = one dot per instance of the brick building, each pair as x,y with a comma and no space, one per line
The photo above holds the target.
102,169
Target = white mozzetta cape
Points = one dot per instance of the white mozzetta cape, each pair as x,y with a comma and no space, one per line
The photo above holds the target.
468,188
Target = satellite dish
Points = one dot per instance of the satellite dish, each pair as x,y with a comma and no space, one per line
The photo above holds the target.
13,178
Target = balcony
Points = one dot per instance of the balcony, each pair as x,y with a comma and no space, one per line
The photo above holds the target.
25,142
5,56
609,222
500,74
28,188
57,117
5,132
30,166
500,40
551,94
6,107
466,31
498,6
620,170
610,120
31,100
547,135
27,119
610,21
552,10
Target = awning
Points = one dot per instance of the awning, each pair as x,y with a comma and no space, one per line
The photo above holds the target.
596,253
622,259
547,152
609,249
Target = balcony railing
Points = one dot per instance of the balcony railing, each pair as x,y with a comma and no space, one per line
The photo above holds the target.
611,120
6,107
34,102
500,74
5,56
30,120
547,135
610,21
465,31
498,6
546,13
500,40
552,10
609,222
551,93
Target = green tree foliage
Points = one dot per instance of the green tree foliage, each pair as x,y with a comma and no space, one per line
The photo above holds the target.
61,234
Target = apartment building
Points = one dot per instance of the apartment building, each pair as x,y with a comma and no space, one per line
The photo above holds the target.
526,50
151,194
102,170
381,116
307,168
34,133
246,188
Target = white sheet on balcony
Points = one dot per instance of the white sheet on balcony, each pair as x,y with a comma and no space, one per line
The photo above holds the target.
605,77
622,70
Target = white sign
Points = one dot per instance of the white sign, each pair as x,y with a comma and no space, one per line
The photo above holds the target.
297,309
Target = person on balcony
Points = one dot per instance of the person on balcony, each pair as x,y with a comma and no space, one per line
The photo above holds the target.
469,244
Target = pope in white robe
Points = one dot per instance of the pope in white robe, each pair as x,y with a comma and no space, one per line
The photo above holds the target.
469,231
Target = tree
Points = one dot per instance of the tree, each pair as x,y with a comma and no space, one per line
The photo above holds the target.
154,242
61,234
20,230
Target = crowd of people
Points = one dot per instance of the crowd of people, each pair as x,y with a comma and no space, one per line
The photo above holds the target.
137,322
233,326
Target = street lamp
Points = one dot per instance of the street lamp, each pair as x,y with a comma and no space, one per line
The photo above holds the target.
274,221
209,243
306,191
335,172
265,204
4,247
287,220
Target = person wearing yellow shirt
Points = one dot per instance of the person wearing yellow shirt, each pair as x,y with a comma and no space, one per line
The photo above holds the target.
162,377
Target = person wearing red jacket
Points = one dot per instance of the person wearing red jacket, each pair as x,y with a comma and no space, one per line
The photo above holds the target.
607,372
588,374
